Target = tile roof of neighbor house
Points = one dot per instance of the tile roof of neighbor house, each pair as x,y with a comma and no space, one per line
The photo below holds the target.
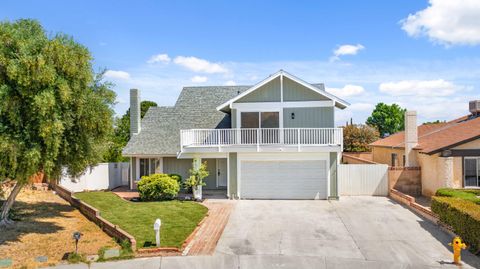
194,109
433,138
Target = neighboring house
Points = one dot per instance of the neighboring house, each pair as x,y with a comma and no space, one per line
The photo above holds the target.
448,153
273,140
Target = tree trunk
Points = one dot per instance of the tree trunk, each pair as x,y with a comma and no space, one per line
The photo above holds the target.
7,205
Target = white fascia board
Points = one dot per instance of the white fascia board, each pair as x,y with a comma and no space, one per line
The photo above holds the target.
259,106
229,103
291,156
148,156
203,155
256,86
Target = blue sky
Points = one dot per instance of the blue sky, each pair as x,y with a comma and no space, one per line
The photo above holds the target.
424,55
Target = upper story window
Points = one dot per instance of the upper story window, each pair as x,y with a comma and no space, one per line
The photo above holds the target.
269,120
260,119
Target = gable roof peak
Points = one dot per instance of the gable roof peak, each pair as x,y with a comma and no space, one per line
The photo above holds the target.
282,73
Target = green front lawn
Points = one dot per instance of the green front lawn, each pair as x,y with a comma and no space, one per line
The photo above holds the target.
465,194
179,218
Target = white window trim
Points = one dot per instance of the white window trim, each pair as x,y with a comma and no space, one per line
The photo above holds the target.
280,105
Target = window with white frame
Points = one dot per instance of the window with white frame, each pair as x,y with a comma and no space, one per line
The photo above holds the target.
472,171
264,127
144,167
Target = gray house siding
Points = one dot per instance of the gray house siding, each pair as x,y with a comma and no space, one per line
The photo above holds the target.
232,176
269,92
233,117
293,91
308,117
172,165
333,176
211,180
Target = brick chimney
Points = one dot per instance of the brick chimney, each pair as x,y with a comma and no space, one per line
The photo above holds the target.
135,126
411,138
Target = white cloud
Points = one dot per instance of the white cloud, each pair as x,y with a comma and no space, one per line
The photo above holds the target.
450,22
347,91
199,65
346,50
361,107
199,79
117,74
230,83
437,87
159,58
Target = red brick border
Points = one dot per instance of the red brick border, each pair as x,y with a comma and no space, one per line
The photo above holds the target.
413,205
113,230
93,214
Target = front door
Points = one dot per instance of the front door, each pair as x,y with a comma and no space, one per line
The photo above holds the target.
221,172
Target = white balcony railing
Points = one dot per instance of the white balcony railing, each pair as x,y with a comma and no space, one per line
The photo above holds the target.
263,136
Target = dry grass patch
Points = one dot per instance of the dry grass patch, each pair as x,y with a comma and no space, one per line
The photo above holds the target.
44,227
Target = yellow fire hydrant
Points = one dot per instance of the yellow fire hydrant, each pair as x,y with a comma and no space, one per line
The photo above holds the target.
457,246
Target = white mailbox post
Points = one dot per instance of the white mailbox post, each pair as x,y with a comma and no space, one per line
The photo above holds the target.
156,227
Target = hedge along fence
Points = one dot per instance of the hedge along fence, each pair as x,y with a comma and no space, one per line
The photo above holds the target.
463,216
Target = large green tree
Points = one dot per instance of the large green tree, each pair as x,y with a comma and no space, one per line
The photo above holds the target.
121,134
356,137
55,112
388,119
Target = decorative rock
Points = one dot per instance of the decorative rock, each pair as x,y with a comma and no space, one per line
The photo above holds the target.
6,263
41,259
111,253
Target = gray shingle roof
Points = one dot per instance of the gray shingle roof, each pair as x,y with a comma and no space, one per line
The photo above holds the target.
194,109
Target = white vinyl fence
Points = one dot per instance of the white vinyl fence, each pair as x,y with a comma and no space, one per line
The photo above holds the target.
104,176
363,179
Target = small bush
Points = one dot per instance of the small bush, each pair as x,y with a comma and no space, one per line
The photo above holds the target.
177,177
462,215
465,194
76,258
158,187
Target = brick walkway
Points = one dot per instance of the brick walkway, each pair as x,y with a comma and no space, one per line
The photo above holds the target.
209,233
125,193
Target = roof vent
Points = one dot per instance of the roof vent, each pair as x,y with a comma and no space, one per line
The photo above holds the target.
474,107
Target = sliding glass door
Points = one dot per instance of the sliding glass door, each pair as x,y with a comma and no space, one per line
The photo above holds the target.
472,171
260,125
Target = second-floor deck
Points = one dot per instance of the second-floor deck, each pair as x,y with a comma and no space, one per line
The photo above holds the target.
255,138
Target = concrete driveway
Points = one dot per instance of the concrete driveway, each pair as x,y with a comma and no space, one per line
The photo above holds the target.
355,231
363,232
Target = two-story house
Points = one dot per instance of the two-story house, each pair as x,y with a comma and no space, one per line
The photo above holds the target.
273,140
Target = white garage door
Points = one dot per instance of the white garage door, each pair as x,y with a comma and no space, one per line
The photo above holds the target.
283,179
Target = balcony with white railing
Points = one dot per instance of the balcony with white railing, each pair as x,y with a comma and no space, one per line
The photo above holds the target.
261,137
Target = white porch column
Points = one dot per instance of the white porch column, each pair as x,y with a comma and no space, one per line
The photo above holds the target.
159,165
197,162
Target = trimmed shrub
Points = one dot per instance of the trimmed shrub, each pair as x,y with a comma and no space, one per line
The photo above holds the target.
177,177
465,194
462,215
158,187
